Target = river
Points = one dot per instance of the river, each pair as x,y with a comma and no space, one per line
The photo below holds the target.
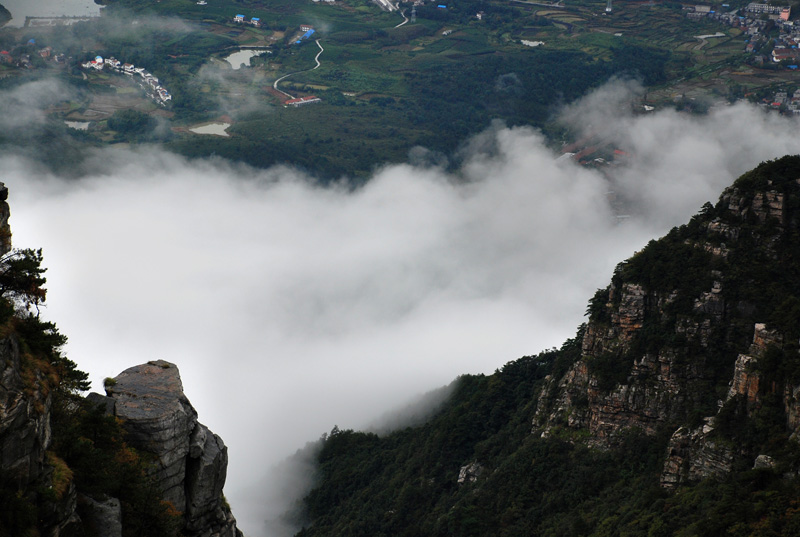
48,8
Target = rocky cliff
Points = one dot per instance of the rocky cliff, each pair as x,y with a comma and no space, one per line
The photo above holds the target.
28,469
89,467
190,461
182,458
681,333
24,419
26,465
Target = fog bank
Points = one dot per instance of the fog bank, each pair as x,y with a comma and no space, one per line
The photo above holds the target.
290,308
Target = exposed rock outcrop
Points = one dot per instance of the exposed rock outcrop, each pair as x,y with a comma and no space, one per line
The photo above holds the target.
680,333
693,455
25,437
746,381
191,461
658,386
25,430
764,462
5,214
697,454
470,473
24,420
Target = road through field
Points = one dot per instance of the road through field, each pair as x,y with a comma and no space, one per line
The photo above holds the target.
316,59
405,19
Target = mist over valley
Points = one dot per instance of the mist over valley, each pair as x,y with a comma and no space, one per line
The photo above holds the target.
330,264
291,307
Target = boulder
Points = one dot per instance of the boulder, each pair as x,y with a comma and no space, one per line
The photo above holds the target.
107,403
159,419
191,461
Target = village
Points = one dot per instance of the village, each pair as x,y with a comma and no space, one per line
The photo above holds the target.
770,32
148,82
26,60
306,30
772,40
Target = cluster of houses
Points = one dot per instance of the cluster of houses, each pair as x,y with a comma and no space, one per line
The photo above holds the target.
147,80
755,19
782,101
739,17
24,60
751,16
783,12
255,21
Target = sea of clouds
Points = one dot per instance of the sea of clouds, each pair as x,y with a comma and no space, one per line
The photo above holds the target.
291,308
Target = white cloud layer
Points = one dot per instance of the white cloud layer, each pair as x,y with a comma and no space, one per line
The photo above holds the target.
25,105
290,308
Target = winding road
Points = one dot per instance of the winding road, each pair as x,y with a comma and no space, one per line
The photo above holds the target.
316,59
405,19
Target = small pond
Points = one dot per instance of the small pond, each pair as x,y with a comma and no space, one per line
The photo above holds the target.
242,57
212,128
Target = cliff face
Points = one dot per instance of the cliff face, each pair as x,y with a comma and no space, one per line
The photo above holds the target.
25,438
24,420
45,427
24,411
682,332
26,401
191,461
660,386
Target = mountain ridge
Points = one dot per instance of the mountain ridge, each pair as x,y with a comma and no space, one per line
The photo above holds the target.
684,379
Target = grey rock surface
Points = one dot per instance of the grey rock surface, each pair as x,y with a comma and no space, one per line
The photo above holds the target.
24,420
108,403
105,517
191,461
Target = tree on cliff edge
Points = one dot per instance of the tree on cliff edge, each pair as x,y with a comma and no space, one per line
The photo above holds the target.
21,278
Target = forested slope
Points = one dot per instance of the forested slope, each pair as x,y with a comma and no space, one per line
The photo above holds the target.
673,411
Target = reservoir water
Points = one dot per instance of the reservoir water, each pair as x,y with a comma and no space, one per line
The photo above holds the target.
48,8
243,57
